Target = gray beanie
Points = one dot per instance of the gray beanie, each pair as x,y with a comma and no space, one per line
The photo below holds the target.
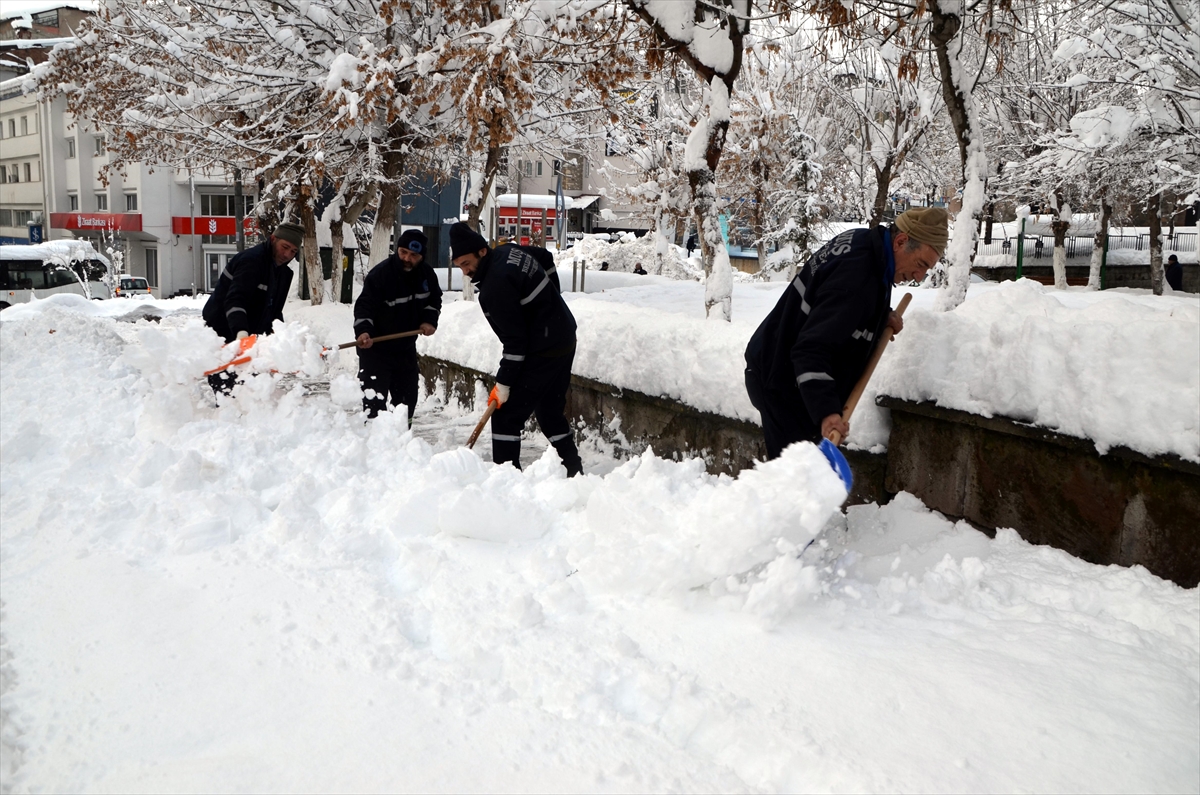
292,233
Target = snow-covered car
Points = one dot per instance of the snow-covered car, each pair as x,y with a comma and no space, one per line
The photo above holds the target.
45,269
131,286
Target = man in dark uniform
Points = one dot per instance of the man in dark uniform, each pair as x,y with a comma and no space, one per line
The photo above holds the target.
251,292
807,355
399,294
519,296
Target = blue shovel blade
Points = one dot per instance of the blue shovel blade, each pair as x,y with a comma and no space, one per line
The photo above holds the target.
839,463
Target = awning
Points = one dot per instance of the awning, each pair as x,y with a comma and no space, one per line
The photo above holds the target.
582,202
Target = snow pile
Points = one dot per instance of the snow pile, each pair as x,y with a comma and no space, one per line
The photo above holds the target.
1109,368
623,255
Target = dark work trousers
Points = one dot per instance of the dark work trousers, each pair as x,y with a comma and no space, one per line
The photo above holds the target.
541,390
784,418
389,379
222,382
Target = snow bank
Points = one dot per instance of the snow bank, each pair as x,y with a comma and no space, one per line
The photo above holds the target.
626,253
1106,367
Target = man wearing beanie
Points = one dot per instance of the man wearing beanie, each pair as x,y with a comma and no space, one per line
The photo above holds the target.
399,294
520,299
807,355
252,290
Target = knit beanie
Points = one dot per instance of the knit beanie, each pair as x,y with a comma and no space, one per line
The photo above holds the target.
465,240
414,240
292,233
929,225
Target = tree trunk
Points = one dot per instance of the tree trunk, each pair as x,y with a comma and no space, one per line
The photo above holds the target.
1060,226
385,222
883,184
960,104
1100,243
312,257
1154,216
336,235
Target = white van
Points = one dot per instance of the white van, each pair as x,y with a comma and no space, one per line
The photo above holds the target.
39,271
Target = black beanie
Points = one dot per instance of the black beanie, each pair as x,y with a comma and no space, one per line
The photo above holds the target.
465,240
414,240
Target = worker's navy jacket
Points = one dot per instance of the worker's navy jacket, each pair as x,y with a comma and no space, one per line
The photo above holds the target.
521,301
250,294
394,300
816,342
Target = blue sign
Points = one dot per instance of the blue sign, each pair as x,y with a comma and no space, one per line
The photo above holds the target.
35,233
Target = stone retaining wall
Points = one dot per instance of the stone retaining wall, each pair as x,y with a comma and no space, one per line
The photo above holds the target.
1122,507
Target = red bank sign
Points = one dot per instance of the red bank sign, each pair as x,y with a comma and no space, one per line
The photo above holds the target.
97,222
209,225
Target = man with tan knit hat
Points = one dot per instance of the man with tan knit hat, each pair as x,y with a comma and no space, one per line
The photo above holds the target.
808,354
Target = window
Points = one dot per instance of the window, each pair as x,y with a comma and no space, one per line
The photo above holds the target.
22,217
539,168
28,172
529,168
216,204
70,148
73,201
24,125
12,128
131,202
3,175
47,19
99,145
15,174
102,202
152,266
6,218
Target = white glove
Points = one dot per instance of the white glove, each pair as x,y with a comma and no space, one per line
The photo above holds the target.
499,395
241,335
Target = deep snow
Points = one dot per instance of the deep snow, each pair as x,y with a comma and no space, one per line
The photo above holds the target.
270,595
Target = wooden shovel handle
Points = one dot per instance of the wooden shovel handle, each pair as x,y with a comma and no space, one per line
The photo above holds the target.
487,415
384,338
860,387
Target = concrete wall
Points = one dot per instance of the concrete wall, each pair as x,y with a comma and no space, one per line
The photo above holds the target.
1121,507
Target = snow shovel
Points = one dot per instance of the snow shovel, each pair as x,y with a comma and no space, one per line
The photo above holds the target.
830,446
384,338
244,344
487,415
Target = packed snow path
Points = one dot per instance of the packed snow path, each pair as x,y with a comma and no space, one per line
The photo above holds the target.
273,596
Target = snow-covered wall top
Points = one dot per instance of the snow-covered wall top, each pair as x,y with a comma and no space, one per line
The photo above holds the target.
1117,367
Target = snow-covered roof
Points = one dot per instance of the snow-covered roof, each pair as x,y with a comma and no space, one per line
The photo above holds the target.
538,200
27,8
58,251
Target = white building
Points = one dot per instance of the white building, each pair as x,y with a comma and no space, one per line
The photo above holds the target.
53,183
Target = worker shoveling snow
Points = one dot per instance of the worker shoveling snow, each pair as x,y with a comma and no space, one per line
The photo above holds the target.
273,594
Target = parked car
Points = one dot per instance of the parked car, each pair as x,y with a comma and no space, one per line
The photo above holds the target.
131,286
43,270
